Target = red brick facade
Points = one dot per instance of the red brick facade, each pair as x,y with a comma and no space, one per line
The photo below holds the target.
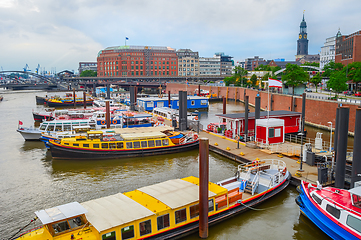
318,112
137,61
348,48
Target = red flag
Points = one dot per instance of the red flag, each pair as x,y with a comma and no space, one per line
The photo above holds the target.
20,122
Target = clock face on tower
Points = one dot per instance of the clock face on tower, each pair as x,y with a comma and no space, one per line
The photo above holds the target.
305,36
300,36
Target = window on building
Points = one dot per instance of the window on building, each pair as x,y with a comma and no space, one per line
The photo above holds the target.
271,132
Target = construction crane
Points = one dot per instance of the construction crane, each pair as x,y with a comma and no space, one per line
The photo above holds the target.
26,68
37,68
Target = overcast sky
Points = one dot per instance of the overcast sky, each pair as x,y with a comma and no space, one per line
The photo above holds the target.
60,34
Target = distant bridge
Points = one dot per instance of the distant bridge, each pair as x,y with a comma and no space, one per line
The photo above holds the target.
45,78
303,66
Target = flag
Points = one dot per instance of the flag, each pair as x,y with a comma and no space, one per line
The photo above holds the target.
187,82
274,83
20,122
126,38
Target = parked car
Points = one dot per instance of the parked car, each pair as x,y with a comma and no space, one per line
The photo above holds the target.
358,94
348,93
308,90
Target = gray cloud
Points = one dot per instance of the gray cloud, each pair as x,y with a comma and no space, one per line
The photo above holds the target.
62,33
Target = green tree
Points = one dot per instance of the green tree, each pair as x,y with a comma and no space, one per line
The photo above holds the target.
330,67
253,80
337,82
294,76
353,72
88,73
314,64
275,69
316,80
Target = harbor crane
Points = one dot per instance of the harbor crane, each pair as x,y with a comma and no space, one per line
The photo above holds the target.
37,69
26,68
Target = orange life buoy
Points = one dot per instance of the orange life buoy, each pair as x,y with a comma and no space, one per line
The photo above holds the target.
209,127
112,139
114,121
102,122
195,136
196,117
284,171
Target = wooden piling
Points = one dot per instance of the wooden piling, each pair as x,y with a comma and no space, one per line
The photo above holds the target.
203,186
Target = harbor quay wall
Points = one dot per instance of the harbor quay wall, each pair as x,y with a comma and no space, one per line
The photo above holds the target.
318,112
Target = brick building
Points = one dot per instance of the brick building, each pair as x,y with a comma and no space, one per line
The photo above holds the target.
348,48
124,61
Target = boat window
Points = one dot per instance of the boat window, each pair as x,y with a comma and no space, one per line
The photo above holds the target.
58,127
151,143
192,102
158,143
67,127
165,142
128,232
50,128
271,132
353,222
144,144
180,216
145,227
129,145
194,210
76,222
109,236
60,226
136,144
210,205
43,126
66,143
86,145
333,211
356,200
96,145
112,146
163,221
317,199
76,144
120,145
104,145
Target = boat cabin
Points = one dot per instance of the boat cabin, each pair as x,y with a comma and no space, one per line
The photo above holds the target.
270,131
61,126
63,219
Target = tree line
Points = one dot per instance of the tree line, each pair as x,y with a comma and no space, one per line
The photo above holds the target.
337,74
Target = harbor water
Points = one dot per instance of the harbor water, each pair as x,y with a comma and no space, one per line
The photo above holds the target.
30,180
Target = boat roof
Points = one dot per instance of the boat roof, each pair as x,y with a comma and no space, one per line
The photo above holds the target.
262,114
139,116
356,191
60,212
144,135
142,129
115,210
175,193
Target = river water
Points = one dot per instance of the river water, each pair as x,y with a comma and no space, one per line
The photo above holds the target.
30,180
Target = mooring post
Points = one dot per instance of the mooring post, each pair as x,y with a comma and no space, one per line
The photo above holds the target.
199,90
356,159
246,118
203,186
74,97
344,113
169,99
224,107
84,99
107,113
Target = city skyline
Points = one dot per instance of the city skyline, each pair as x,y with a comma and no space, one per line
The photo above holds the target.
60,34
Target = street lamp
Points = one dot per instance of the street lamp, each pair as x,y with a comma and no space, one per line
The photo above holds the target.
330,136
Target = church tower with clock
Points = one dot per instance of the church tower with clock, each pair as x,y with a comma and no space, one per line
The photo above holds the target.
302,42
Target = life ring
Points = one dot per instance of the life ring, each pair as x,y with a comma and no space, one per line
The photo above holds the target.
255,162
114,121
284,171
195,136
102,122
112,139
209,127
196,118
105,139
215,129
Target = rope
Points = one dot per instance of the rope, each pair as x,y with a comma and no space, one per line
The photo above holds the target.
32,220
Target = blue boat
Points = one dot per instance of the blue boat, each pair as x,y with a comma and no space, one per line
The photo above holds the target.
337,212
193,103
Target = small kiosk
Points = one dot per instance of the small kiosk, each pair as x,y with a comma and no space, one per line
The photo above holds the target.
270,131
